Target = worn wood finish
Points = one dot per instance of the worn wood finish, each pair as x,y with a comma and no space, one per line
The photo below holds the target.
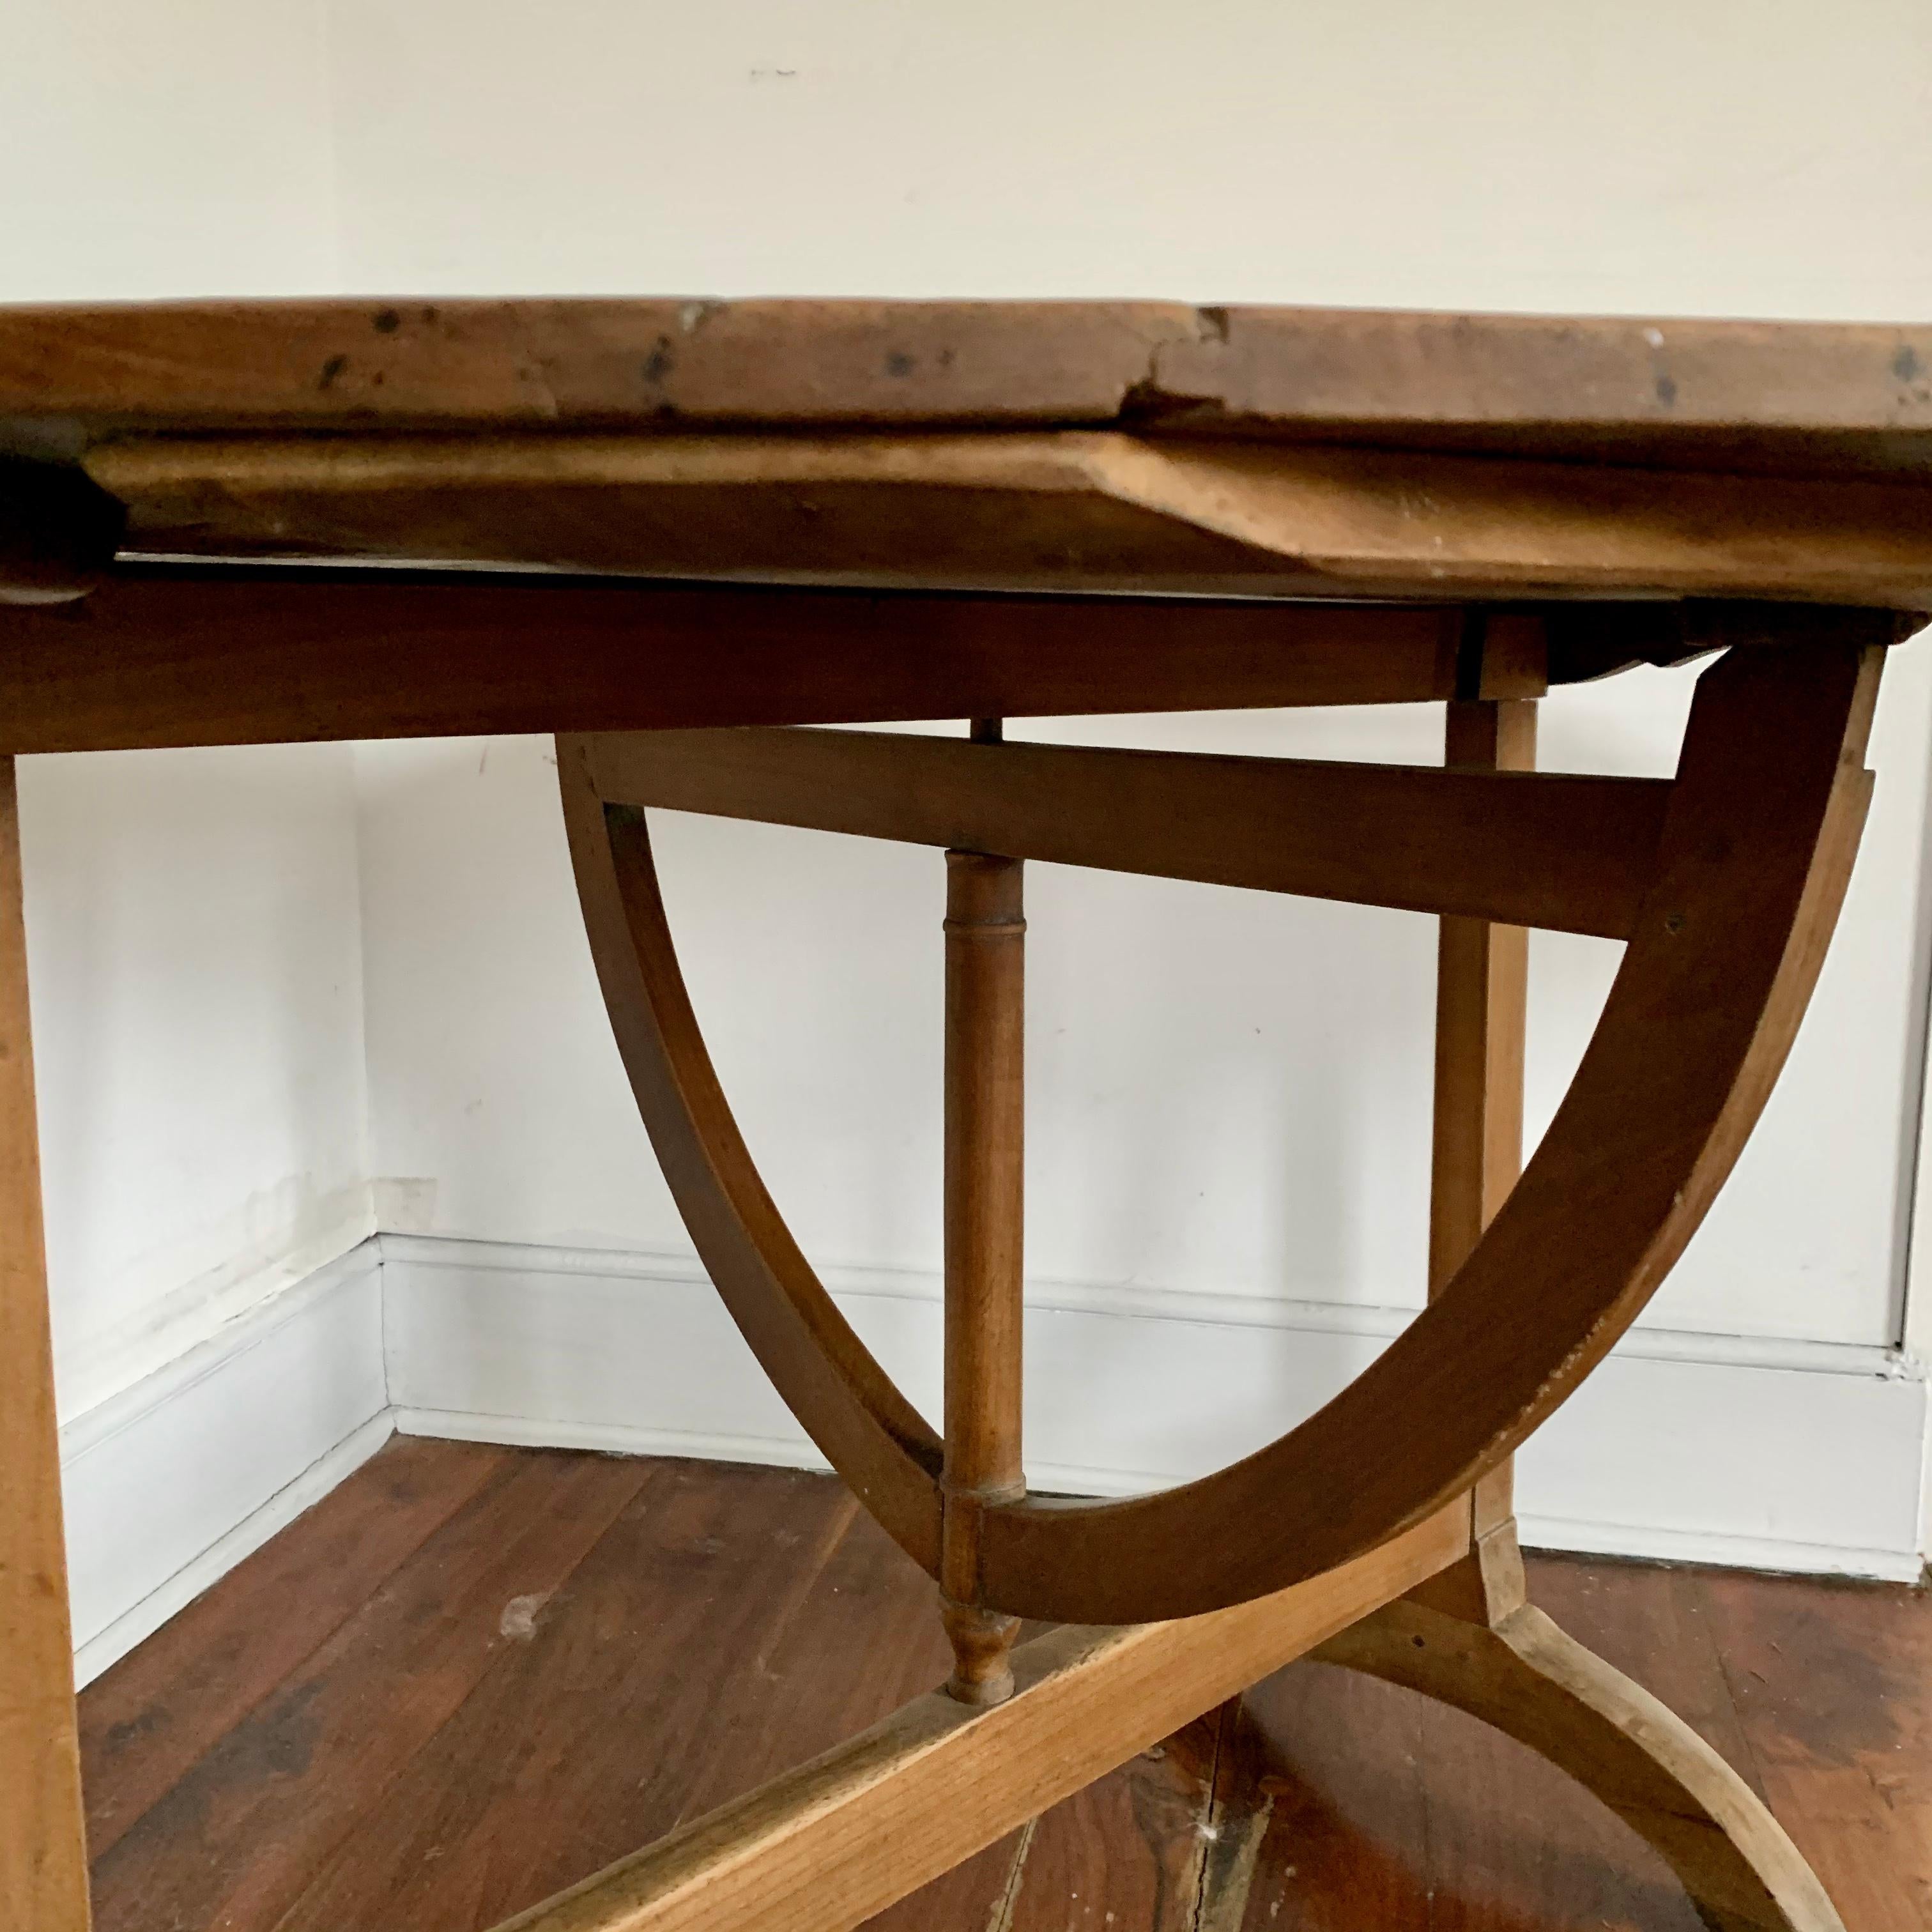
985,1147
1501,1660
1763,823
1572,853
603,1712
230,1842
869,1432
184,656
1069,510
149,1720
1119,447
821,1850
43,1842
1718,394
726,1628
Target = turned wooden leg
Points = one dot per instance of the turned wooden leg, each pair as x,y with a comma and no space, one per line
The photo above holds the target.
986,937
42,1841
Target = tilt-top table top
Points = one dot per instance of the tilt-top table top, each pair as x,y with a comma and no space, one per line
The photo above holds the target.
1116,446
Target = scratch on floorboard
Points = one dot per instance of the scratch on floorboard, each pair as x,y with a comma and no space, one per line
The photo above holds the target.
1000,1918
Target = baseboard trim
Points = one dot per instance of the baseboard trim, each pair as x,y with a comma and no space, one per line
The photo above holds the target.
1751,1452
140,1621
170,1484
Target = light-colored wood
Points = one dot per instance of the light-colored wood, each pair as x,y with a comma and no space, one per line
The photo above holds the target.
1763,823
985,1127
1066,509
1723,395
1570,852
1484,1649
870,1433
824,1847
1482,986
42,1840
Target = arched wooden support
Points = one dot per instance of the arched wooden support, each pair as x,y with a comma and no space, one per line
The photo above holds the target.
1467,1638
1757,844
870,1433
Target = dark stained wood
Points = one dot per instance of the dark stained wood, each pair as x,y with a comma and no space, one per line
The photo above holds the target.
147,1719
592,1732
166,656
1338,1803
59,532
242,1832
1573,853
860,1826
1764,821
1701,392
1503,1660
1131,1850
1830,1685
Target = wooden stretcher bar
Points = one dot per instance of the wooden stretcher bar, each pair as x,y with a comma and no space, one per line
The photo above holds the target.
823,1848
1572,853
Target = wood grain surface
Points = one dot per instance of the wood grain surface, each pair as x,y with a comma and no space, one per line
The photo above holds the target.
43,1854
1692,391
731,1623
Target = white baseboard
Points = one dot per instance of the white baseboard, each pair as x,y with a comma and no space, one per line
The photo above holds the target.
172,1482
1764,1454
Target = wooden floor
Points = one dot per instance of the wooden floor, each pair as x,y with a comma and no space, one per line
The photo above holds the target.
473,1675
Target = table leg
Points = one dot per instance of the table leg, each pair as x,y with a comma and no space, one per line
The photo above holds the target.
42,1840
1482,981
1469,1637
985,1018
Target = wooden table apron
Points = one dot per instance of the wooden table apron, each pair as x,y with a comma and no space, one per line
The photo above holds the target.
942,512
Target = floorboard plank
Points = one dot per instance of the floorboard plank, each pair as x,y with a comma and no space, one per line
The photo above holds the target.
473,1675
146,1720
1834,1689
644,1676
234,1841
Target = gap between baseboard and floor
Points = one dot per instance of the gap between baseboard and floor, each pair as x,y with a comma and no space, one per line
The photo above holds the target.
1756,1452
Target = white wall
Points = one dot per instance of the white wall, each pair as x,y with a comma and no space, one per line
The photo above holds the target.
1689,156
1230,1093
193,916
176,149
194,950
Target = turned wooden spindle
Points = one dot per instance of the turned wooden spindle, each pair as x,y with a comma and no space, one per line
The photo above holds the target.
985,962
1481,984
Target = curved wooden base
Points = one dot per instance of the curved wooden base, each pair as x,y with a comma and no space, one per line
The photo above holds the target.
1470,1639
1531,1283
1756,845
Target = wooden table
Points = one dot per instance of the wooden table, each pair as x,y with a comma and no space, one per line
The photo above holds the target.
235,523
